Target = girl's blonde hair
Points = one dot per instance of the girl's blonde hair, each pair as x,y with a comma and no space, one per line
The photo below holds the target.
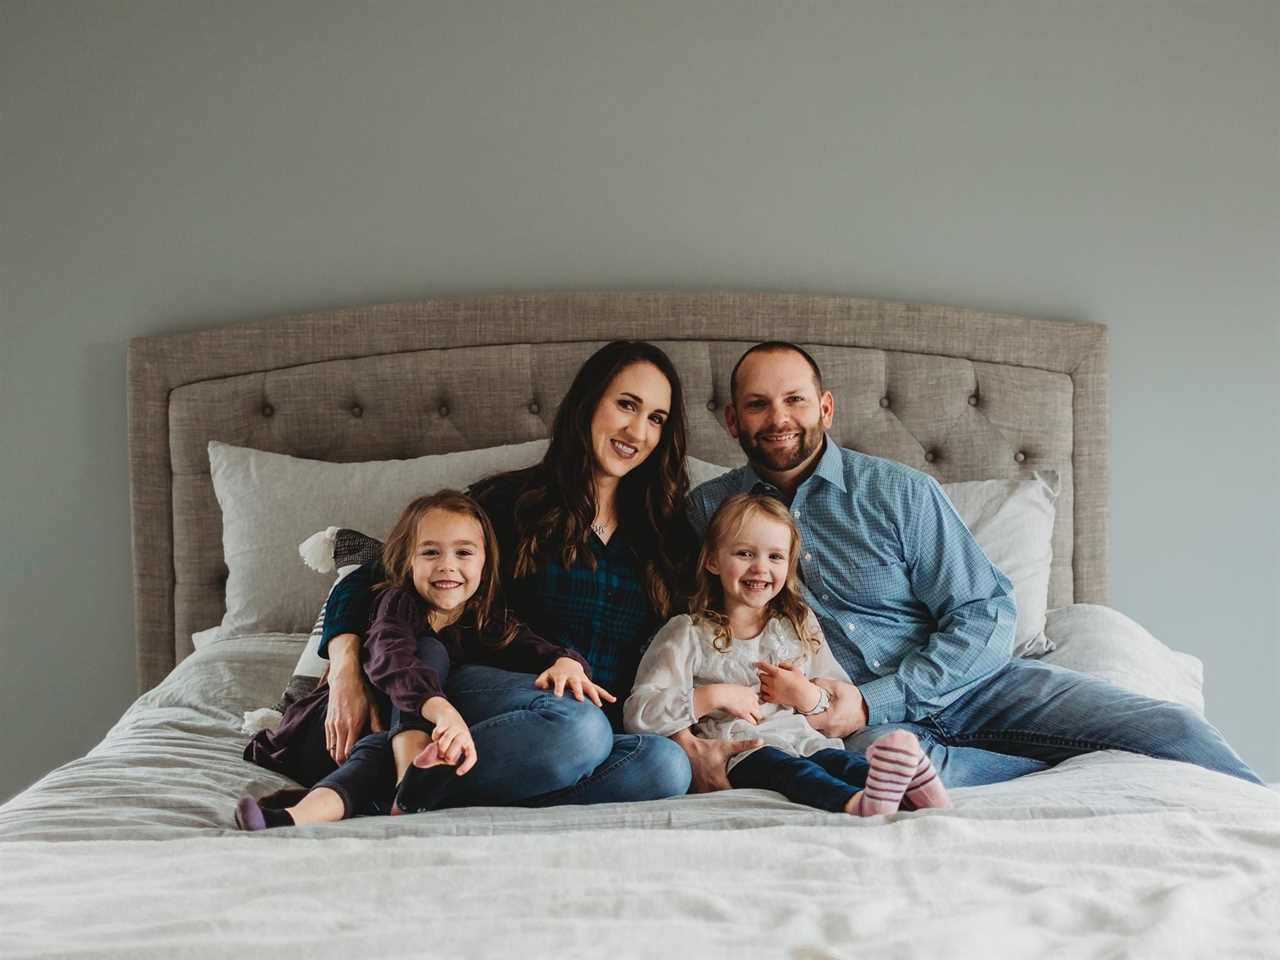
707,602
397,559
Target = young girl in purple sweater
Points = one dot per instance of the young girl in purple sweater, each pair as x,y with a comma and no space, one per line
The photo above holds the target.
438,608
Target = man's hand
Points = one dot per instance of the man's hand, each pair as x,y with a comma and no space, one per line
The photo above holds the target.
710,759
847,713
350,710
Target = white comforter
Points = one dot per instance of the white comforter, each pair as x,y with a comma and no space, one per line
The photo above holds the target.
130,851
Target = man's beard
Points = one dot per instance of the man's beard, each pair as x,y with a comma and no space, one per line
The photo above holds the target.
781,460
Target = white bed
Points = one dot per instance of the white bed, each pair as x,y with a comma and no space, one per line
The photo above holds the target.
130,851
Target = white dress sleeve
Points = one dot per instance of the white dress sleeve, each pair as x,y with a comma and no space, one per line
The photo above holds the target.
661,701
822,663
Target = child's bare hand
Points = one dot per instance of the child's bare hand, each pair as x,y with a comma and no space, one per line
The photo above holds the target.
739,701
451,736
567,672
786,685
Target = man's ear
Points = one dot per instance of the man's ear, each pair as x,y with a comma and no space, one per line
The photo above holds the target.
731,419
827,404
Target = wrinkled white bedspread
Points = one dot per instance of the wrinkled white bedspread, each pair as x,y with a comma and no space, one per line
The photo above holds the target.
130,851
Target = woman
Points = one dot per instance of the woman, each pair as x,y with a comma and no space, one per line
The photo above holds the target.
594,547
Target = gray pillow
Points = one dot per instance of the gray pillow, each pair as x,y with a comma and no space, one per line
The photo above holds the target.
270,502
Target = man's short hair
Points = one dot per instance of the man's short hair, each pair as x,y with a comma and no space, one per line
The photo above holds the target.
774,346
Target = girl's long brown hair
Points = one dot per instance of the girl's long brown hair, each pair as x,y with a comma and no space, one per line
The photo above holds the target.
560,508
397,559
707,602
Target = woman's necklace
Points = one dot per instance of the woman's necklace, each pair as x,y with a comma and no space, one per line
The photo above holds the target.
601,528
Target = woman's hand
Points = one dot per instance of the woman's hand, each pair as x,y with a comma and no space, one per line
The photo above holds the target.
350,710
567,672
452,735
787,686
734,699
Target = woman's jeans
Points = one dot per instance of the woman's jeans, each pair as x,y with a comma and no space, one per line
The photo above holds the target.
1029,715
536,749
827,779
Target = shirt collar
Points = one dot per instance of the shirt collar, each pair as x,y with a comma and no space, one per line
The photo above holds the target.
830,468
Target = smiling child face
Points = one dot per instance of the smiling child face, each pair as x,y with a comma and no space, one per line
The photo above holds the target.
752,565
448,561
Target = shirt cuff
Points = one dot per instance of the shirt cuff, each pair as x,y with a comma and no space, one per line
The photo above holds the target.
884,699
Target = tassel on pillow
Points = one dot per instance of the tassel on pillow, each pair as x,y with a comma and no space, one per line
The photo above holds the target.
263,719
317,550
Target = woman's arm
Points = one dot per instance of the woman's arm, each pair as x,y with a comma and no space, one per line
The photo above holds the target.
350,606
346,617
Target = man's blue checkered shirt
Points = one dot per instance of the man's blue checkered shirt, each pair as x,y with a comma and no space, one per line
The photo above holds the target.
911,606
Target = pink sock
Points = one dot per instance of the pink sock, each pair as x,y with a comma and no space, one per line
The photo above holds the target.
926,788
894,759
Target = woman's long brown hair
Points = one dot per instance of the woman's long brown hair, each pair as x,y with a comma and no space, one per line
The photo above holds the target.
707,602
560,508
397,559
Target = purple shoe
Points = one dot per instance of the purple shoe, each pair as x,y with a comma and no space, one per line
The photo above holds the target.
252,816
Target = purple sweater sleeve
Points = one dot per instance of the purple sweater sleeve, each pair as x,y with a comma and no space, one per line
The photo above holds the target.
392,647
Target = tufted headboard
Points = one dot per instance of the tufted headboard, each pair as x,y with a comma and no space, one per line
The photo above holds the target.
961,394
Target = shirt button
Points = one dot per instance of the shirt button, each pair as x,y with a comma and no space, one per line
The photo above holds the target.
826,596
875,663
808,556
851,627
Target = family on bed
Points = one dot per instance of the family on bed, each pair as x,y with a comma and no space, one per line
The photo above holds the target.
818,622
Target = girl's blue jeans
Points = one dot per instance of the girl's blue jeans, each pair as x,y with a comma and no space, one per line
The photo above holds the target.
826,779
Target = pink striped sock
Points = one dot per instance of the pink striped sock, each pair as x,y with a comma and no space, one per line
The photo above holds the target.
926,788
894,759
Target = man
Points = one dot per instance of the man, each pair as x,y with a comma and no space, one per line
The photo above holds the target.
913,609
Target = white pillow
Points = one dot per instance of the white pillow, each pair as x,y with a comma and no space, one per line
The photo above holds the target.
1105,643
1012,520
271,502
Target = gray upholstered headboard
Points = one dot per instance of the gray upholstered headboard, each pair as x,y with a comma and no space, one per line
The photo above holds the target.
961,394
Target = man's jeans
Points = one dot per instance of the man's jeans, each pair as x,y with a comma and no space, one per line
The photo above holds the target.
537,749
1030,715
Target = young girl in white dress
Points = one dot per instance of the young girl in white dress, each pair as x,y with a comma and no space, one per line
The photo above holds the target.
739,665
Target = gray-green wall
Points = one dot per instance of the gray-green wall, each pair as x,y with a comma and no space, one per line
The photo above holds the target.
166,166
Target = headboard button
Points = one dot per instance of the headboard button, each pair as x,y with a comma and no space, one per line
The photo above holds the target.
1020,457
357,410
268,409
930,456
444,410
973,399
712,405
884,402
534,407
